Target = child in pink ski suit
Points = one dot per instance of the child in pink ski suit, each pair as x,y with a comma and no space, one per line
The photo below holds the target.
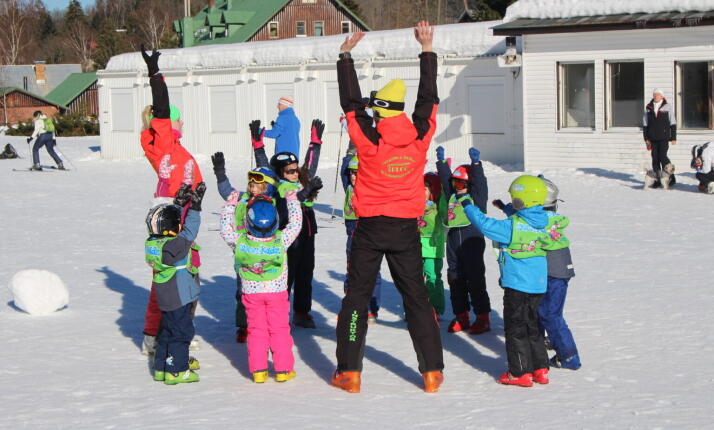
260,252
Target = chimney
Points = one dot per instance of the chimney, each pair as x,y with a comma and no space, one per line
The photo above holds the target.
40,72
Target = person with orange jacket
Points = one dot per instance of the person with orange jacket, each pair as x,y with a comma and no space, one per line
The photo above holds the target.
173,164
388,199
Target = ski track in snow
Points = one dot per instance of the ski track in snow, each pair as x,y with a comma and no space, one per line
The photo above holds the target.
639,307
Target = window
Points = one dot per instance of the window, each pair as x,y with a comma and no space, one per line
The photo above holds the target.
300,29
123,115
694,95
319,28
486,107
273,29
346,27
625,93
576,95
223,109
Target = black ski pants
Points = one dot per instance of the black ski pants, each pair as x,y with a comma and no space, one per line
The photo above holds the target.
659,154
301,265
46,140
398,239
525,345
467,272
705,178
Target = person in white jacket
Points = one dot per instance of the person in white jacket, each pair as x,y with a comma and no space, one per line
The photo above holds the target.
45,134
703,163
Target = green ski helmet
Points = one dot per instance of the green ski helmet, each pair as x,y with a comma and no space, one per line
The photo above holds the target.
174,114
353,164
527,191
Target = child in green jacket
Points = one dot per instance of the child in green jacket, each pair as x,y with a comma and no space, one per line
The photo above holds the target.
433,239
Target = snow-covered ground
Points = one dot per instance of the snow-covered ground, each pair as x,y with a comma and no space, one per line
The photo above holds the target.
640,308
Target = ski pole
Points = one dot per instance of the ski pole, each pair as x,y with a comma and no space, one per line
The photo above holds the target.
64,157
337,171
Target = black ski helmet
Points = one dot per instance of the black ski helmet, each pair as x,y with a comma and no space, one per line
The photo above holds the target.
163,219
280,160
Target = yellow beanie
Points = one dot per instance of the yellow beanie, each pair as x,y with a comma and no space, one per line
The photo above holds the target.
389,101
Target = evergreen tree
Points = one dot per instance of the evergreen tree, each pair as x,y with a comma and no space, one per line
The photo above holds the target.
46,25
110,43
74,13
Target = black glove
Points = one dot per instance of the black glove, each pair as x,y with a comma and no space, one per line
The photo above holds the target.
29,139
152,62
311,189
219,166
499,204
183,195
272,123
255,129
316,130
197,196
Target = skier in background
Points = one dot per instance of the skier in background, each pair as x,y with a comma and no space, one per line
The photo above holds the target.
45,134
286,128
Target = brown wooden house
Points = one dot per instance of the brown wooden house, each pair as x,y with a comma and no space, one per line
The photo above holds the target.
17,105
235,21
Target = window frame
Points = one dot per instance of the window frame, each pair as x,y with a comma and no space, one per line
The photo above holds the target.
277,30
304,27
314,27
561,98
608,95
342,27
678,94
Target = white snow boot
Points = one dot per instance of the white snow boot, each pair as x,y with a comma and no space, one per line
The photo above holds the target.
148,347
710,188
194,345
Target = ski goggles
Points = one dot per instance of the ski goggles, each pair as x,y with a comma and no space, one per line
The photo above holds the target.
697,163
286,156
386,104
290,171
260,178
459,184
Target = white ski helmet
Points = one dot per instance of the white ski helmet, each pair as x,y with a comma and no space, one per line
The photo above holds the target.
551,199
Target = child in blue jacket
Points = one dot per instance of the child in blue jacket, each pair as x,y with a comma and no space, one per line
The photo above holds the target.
524,272
168,252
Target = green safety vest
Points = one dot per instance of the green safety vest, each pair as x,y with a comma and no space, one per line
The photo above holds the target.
164,272
456,216
49,125
432,230
555,230
260,261
526,241
286,186
241,210
349,211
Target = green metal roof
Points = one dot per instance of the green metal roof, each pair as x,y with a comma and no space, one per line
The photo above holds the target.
8,90
253,14
72,87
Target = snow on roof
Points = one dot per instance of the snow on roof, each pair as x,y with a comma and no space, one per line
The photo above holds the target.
461,40
574,8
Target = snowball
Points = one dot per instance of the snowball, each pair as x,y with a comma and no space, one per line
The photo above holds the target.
39,292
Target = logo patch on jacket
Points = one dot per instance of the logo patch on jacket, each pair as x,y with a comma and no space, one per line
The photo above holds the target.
398,167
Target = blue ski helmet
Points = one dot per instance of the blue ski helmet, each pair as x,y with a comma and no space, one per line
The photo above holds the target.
261,219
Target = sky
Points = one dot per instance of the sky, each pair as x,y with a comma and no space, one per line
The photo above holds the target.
62,4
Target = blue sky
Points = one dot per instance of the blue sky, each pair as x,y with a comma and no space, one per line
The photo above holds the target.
62,4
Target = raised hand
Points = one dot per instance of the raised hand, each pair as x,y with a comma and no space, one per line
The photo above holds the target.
152,61
424,34
219,161
475,155
197,196
316,130
256,134
440,153
183,195
351,41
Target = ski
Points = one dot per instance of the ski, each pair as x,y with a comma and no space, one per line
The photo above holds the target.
44,169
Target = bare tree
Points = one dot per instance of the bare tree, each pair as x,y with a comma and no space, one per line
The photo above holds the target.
14,25
153,24
79,38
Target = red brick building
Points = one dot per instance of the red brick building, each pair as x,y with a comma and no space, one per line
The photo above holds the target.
18,105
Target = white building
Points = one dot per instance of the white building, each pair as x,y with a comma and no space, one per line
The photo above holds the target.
589,69
221,88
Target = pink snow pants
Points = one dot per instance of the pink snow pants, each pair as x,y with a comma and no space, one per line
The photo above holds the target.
269,330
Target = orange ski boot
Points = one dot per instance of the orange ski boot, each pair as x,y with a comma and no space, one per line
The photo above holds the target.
541,376
432,381
348,381
481,325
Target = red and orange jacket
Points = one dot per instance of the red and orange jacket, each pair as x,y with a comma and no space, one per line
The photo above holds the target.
161,139
392,156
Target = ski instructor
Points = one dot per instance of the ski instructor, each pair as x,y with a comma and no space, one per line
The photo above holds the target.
388,198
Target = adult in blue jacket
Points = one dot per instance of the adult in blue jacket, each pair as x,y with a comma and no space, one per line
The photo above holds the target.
286,128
